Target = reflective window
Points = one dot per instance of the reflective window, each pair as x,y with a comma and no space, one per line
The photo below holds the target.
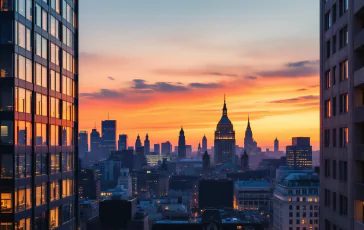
6,132
67,61
6,203
6,161
54,54
54,107
20,165
23,199
41,134
54,135
53,218
67,37
67,86
41,164
55,162
41,105
54,27
67,188
44,20
55,81
41,194
54,190
67,162
67,136
67,111
41,77
23,224
55,4
23,132
38,15
41,48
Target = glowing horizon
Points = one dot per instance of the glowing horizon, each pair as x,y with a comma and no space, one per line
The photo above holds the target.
155,66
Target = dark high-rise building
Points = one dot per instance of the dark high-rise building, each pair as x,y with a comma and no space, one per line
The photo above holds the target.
95,142
38,76
82,143
245,161
157,148
299,154
123,142
276,145
342,117
205,162
224,149
109,135
138,143
214,193
182,152
249,144
146,145
89,185
204,144
166,147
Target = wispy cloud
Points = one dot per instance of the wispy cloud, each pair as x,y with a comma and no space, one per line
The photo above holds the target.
294,70
297,99
111,78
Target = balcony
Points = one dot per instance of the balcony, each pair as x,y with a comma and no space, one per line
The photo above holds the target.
359,77
359,39
359,114
358,7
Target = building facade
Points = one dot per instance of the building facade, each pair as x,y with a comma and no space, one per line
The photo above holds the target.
224,144
82,143
253,195
299,154
342,113
95,142
296,202
166,147
146,145
38,114
109,135
157,148
123,142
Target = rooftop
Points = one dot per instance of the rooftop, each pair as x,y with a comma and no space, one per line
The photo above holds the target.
251,184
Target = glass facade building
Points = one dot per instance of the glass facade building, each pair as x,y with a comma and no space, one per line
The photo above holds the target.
38,114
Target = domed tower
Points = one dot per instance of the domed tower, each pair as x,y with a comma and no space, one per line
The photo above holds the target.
182,144
206,162
245,161
224,144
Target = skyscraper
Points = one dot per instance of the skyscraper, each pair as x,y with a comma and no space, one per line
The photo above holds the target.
123,142
39,75
95,142
299,154
342,119
204,144
82,143
250,145
109,135
157,148
224,148
276,145
146,145
138,143
166,147
182,152
244,161
205,162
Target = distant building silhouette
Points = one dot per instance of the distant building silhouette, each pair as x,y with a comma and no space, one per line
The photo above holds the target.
157,148
205,162
276,145
204,144
245,161
224,148
199,151
95,141
138,143
166,147
146,145
250,145
109,135
123,142
182,152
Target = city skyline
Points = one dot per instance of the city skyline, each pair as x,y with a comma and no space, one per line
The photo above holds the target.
214,52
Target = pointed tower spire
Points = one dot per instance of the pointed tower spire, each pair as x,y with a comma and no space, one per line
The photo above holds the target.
248,121
224,109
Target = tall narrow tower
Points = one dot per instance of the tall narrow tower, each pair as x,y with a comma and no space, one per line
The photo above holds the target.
204,143
276,145
138,143
245,161
181,144
248,139
146,145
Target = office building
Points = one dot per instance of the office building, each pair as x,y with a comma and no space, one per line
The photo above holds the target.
89,185
204,144
182,152
39,76
157,148
126,157
166,147
224,149
123,142
124,181
156,159
342,117
276,145
109,135
253,195
95,142
206,162
244,161
82,143
296,202
146,145
216,194
299,154
108,172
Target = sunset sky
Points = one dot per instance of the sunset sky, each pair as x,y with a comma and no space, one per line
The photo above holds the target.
157,65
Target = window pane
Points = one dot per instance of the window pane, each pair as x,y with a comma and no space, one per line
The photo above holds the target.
28,40
29,70
44,20
21,67
29,12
